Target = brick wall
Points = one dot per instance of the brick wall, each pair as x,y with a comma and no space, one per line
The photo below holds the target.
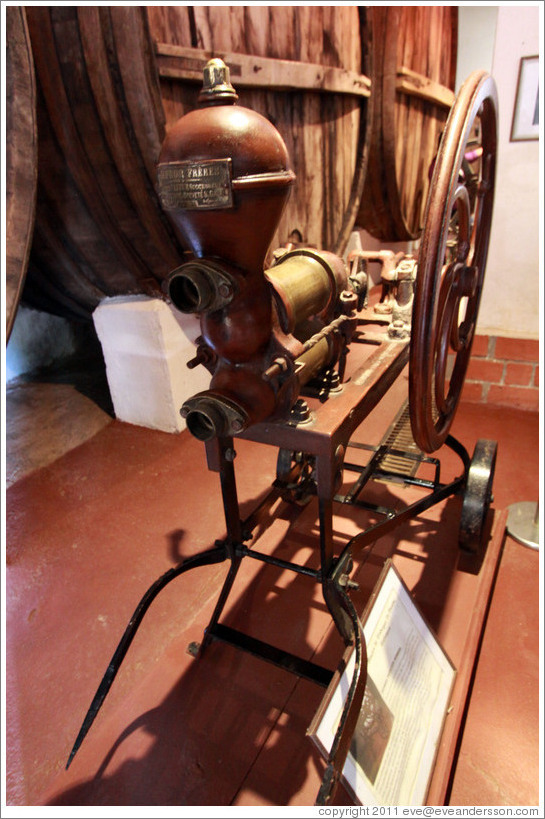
504,372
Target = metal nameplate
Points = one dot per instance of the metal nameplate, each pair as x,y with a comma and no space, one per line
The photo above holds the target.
195,185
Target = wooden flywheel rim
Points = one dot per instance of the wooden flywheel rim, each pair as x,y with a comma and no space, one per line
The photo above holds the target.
444,283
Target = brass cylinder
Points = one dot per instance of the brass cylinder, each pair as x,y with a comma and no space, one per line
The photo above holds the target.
314,360
305,284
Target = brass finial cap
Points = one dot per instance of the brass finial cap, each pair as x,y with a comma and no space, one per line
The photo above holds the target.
217,88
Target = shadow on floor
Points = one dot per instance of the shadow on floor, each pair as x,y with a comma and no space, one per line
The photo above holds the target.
232,724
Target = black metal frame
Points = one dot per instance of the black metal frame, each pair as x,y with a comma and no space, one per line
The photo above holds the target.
333,575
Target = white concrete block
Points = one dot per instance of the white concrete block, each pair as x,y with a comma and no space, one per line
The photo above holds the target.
146,344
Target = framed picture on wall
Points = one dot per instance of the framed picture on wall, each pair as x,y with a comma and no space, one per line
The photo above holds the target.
526,114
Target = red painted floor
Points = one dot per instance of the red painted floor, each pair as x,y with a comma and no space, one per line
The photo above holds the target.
87,534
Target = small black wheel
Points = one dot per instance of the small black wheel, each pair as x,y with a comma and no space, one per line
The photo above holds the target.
477,496
295,476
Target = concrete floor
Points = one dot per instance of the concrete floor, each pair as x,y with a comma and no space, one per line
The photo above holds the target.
97,509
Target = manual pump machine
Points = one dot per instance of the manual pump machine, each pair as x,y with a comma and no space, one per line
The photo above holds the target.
276,343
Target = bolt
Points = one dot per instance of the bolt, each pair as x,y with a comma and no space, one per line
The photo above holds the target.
300,410
398,329
193,648
279,365
345,582
225,290
230,454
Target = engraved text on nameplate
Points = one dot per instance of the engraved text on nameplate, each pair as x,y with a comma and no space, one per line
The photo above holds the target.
195,185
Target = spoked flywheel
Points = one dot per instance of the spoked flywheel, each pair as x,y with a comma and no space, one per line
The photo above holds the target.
452,260
477,496
295,476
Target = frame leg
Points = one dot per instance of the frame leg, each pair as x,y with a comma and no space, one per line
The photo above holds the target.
353,703
215,555
220,456
327,469
224,594
335,574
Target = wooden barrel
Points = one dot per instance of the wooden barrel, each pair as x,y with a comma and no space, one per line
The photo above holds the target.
112,79
413,68
21,157
100,230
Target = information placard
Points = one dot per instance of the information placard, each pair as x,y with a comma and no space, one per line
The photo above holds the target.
409,684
